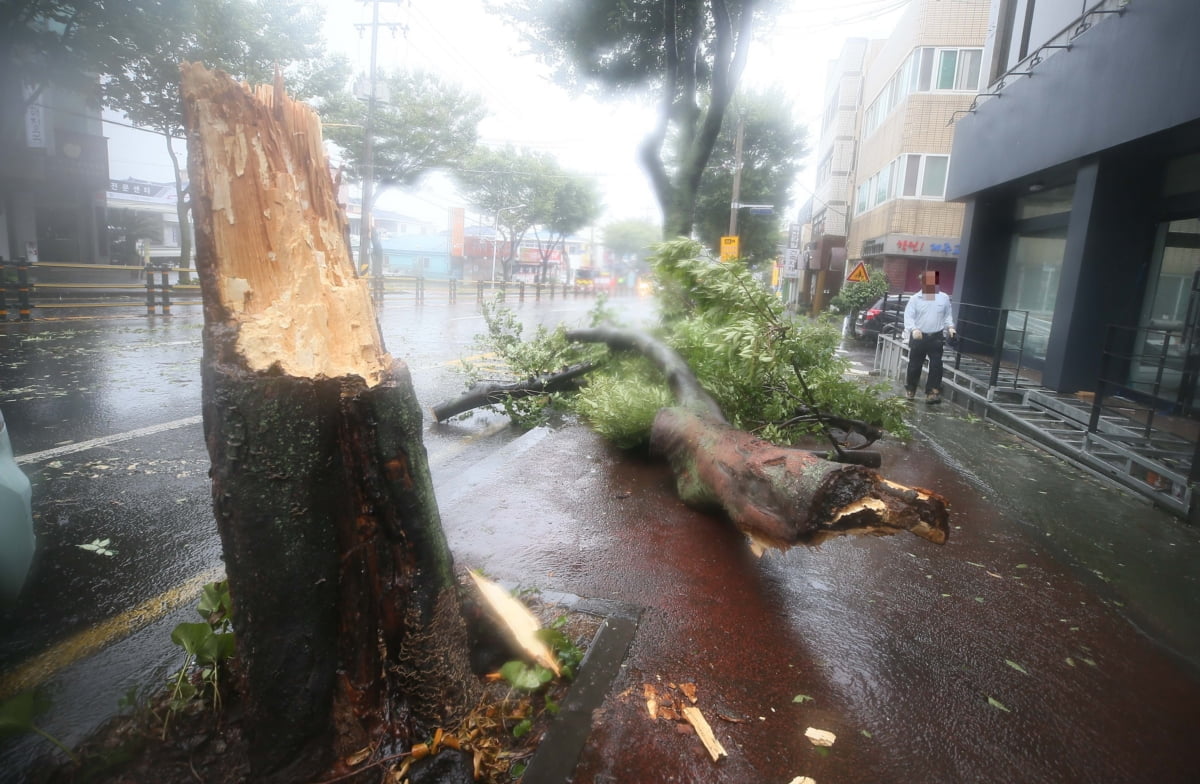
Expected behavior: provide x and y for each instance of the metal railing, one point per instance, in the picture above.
(1153, 371)
(998, 334)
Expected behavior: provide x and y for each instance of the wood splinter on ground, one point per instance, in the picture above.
(700, 724)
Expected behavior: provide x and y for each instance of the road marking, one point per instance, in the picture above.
(115, 438)
(34, 671)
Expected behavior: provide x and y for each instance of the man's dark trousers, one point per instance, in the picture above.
(927, 346)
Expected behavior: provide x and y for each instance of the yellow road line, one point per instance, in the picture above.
(35, 671)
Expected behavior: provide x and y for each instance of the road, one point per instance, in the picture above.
(104, 415)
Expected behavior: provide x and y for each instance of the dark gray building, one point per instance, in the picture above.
(1079, 166)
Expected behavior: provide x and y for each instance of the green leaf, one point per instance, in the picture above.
(194, 637)
(1015, 666)
(226, 645)
(802, 698)
(866, 734)
(17, 713)
(522, 729)
(995, 703)
(524, 676)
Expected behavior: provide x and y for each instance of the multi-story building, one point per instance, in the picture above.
(914, 84)
(53, 174)
(1079, 169)
(824, 257)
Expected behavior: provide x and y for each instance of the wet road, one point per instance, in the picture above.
(104, 416)
(1055, 638)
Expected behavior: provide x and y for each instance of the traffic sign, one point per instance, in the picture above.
(858, 274)
(729, 248)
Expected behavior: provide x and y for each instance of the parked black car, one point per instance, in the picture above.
(886, 316)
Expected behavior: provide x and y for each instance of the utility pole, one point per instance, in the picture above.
(365, 235)
(364, 224)
(737, 174)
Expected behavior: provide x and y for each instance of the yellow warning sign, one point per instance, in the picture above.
(729, 248)
(858, 274)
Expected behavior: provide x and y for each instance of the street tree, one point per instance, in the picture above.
(248, 39)
(58, 42)
(773, 145)
(572, 203)
(631, 241)
(513, 187)
(689, 56)
(421, 124)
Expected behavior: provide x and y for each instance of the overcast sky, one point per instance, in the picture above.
(458, 40)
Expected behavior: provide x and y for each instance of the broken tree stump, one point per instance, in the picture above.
(778, 496)
(345, 603)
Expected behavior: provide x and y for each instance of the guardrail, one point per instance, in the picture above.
(159, 287)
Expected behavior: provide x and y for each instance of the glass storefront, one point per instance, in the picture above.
(1168, 339)
(1035, 259)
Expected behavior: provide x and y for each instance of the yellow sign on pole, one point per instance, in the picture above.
(729, 248)
(858, 274)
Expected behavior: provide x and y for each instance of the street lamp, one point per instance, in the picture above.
(496, 238)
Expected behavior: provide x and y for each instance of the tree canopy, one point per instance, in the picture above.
(421, 123)
(690, 54)
(248, 39)
(772, 147)
(570, 203)
(524, 190)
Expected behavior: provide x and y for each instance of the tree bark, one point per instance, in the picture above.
(489, 394)
(778, 496)
(346, 607)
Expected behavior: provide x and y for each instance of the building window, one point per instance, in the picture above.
(933, 180)
(957, 70)
(911, 176)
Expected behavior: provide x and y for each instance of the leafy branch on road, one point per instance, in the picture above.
(770, 373)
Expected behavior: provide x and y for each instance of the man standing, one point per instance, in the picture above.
(925, 317)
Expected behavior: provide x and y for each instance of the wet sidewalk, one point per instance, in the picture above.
(1055, 638)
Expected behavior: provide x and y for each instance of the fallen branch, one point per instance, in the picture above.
(495, 393)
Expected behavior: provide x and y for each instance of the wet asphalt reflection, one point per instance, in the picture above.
(104, 416)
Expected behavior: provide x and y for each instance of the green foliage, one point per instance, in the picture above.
(765, 369)
(632, 240)
(686, 56)
(773, 146)
(426, 123)
(620, 401)
(855, 296)
(208, 644)
(548, 350)
(18, 714)
(533, 678)
(752, 357)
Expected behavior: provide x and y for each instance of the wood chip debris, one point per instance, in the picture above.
(522, 625)
(820, 737)
(700, 724)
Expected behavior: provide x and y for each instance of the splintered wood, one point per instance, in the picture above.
(661, 702)
(286, 277)
(696, 719)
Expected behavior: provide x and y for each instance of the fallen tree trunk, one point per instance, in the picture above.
(345, 603)
(778, 496)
